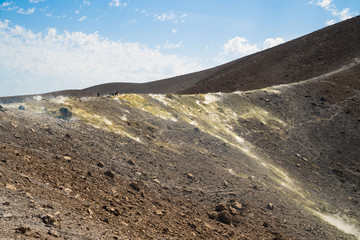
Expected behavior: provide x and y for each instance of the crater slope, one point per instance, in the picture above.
(276, 163)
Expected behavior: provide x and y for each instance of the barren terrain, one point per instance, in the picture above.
(274, 161)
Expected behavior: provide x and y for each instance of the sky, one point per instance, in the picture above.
(51, 45)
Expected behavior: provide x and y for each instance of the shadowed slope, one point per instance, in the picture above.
(303, 58)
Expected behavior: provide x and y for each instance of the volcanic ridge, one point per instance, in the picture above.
(264, 147)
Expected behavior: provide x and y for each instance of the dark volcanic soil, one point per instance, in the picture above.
(264, 164)
(281, 162)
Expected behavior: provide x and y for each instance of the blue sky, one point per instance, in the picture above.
(50, 45)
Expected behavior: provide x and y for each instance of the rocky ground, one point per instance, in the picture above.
(275, 163)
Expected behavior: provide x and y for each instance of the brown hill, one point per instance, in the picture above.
(306, 57)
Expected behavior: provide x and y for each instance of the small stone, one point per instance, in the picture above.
(213, 215)
(190, 176)
(237, 205)
(6, 204)
(54, 233)
(110, 174)
(221, 207)
(233, 211)
(265, 224)
(100, 164)
(135, 186)
(50, 220)
(224, 217)
(68, 135)
(67, 190)
(159, 212)
(23, 230)
(90, 211)
(10, 186)
(270, 206)
(131, 162)
(67, 158)
(298, 165)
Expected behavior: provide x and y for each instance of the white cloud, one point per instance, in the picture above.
(239, 46)
(82, 18)
(172, 45)
(5, 4)
(52, 60)
(36, 1)
(170, 17)
(4, 24)
(77, 11)
(86, 3)
(117, 3)
(324, 3)
(174, 31)
(164, 17)
(29, 11)
(272, 42)
(330, 6)
(330, 22)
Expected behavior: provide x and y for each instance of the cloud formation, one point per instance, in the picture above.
(52, 60)
(29, 11)
(330, 6)
(82, 18)
(117, 3)
(240, 47)
(170, 17)
(172, 45)
(36, 1)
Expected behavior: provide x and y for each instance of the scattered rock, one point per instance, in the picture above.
(298, 165)
(110, 174)
(54, 233)
(213, 215)
(50, 220)
(100, 164)
(135, 186)
(90, 211)
(159, 212)
(265, 224)
(6, 204)
(270, 206)
(22, 230)
(67, 158)
(224, 217)
(233, 211)
(131, 162)
(65, 114)
(190, 176)
(2, 109)
(68, 135)
(237, 205)
(10, 186)
(220, 207)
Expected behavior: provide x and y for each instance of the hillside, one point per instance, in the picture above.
(277, 160)
(306, 57)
